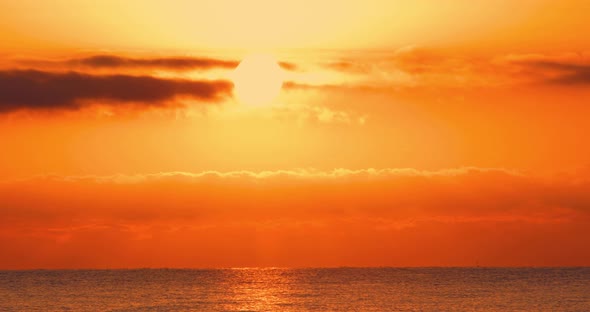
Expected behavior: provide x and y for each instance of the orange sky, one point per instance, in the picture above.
(406, 133)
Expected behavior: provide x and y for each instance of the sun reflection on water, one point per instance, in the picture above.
(260, 289)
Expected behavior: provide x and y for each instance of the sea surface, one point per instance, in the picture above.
(338, 289)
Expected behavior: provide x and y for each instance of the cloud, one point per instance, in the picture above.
(350, 66)
(566, 74)
(171, 63)
(121, 62)
(408, 67)
(289, 66)
(340, 217)
(306, 113)
(383, 193)
(420, 60)
(33, 89)
(433, 68)
(294, 85)
(566, 69)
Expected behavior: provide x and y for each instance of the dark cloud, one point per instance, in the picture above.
(33, 89)
(109, 61)
(173, 63)
(569, 69)
(289, 66)
(567, 73)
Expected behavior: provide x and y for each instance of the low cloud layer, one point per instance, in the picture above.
(562, 73)
(33, 89)
(342, 217)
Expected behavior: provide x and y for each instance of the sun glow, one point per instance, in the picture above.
(257, 80)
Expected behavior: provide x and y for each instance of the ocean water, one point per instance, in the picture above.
(339, 289)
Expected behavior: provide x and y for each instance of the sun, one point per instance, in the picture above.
(257, 80)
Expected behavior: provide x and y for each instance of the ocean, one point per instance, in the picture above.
(278, 289)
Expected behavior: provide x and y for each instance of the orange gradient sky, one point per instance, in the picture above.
(406, 133)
